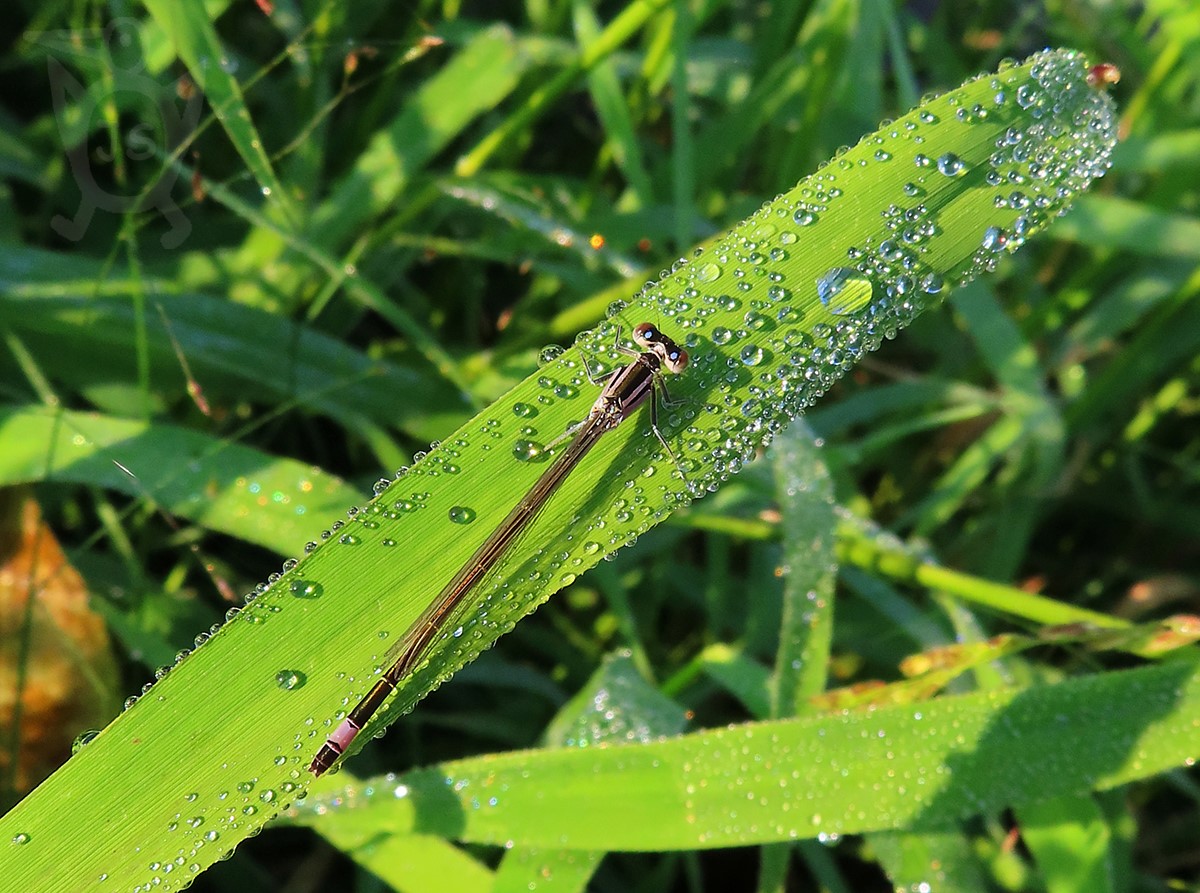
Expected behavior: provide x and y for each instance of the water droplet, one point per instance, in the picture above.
(349, 539)
(994, 239)
(306, 589)
(843, 290)
(526, 450)
(752, 355)
(951, 165)
(804, 217)
(460, 514)
(708, 273)
(524, 410)
(21, 838)
(549, 354)
(721, 335)
(290, 680)
(756, 321)
(83, 740)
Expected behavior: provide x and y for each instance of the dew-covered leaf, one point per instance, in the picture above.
(921, 767)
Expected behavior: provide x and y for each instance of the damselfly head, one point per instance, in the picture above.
(674, 357)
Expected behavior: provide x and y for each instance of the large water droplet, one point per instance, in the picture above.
(751, 355)
(994, 239)
(526, 450)
(951, 165)
(290, 680)
(549, 354)
(460, 514)
(843, 290)
(306, 589)
(83, 740)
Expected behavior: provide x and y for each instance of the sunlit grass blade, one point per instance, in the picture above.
(921, 768)
(232, 488)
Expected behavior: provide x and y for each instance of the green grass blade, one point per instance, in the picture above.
(893, 767)
(809, 524)
(615, 706)
(222, 342)
(605, 87)
(932, 861)
(199, 48)
(1069, 839)
(483, 73)
(619, 30)
(225, 486)
(1110, 222)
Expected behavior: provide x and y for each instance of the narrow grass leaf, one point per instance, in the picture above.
(199, 48)
(805, 494)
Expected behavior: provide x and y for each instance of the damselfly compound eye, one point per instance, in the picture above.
(645, 333)
(676, 359)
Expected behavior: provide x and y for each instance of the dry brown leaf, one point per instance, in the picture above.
(54, 649)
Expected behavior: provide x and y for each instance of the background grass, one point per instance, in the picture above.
(449, 165)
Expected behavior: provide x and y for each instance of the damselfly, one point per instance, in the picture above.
(626, 389)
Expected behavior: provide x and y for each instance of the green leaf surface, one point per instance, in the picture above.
(805, 491)
(921, 768)
(932, 862)
(234, 489)
(1069, 839)
(615, 706)
(483, 72)
(1111, 222)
